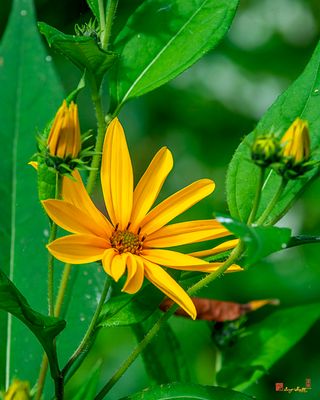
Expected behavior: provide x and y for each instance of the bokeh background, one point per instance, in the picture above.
(202, 116)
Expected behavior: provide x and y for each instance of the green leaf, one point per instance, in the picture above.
(88, 389)
(303, 239)
(264, 343)
(30, 94)
(94, 7)
(302, 100)
(125, 310)
(83, 51)
(175, 391)
(260, 241)
(163, 358)
(43, 327)
(161, 40)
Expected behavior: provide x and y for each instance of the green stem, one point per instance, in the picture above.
(106, 33)
(257, 196)
(97, 101)
(102, 18)
(157, 326)
(273, 202)
(62, 289)
(85, 342)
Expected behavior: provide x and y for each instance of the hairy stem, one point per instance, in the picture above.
(257, 198)
(110, 11)
(273, 202)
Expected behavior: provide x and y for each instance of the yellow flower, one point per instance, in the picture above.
(64, 137)
(18, 390)
(296, 142)
(133, 239)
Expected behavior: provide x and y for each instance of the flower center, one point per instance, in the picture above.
(125, 241)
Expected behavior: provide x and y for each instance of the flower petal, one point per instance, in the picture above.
(208, 268)
(71, 218)
(229, 244)
(150, 185)
(107, 260)
(117, 175)
(74, 192)
(186, 232)
(78, 249)
(170, 258)
(118, 266)
(175, 205)
(135, 274)
(163, 281)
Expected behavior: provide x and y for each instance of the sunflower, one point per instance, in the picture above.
(134, 237)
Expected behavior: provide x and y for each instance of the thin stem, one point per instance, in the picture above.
(273, 202)
(102, 18)
(62, 289)
(97, 101)
(90, 331)
(157, 326)
(110, 11)
(257, 196)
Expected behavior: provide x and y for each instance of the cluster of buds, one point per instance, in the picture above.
(61, 151)
(288, 156)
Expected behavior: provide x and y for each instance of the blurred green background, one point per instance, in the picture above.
(202, 116)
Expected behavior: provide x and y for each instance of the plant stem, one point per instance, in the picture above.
(102, 19)
(257, 196)
(97, 101)
(85, 342)
(62, 289)
(157, 326)
(273, 202)
(106, 33)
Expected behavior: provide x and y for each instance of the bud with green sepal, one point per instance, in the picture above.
(265, 150)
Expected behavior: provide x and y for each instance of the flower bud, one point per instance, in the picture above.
(296, 142)
(265, 150)
(64, 138)
(18, 390)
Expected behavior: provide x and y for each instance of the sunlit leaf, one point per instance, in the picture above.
(260, 241)
(302, 100)
(161, 40)
(83, 51)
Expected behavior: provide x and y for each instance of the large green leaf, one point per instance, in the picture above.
(264, 343)
(83, 51)
(88, 389)
(161, 40)
(300, 100)
(30, 94)
(163, 358)
(43, 327)
(260, 241)
(124, 310)
(175, 391)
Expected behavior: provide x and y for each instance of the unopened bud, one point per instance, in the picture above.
(265, 150)
(64, 138)
(296, 142)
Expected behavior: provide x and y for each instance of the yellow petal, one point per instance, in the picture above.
(118, 266)
(107, 260)
(74, 192)
(117, 176)
(163, 281)
(170, 258)
(229, 244)
(135, 274)
(78, 249)
(175, 205)
(186, 232)
(34, 164)
(150, 185)
(71, 218)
